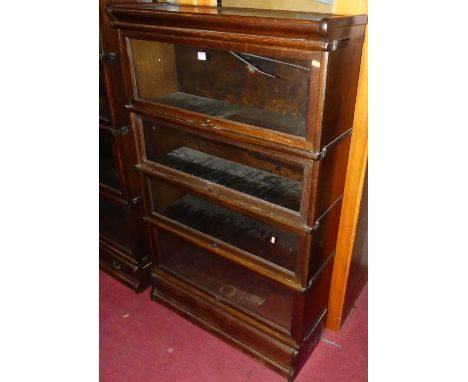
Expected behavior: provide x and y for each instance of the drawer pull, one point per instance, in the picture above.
(116, 264)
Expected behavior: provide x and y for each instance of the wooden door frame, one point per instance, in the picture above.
(357, 165)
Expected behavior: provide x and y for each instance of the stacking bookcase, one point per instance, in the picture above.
(242, 121)
(123, 249)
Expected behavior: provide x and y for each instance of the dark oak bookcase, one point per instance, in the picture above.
(241, 121)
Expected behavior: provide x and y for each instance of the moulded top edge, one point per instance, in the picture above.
(275, 22)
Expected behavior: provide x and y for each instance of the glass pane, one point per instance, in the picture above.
(228, 282)
(250, 235)
(103, 105)
(112, 223)
(267, 92)
(107, 162)
(240, 169)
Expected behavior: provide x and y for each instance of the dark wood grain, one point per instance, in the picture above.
(108, 172)
(250, 172)
(123, 247)
(259, 22)
(242, 173)
(173, 75)
(250, 115)
(272, 244)
(341, 89)
(227, 282)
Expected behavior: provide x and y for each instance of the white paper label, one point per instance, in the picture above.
(202, 56)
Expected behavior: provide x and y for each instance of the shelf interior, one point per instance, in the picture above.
(267, 92)
(226, 281)
(261, 184)
(262, 240)
(250, 115)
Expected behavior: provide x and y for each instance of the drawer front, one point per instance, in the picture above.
(254, 176)
(116, 263)
(271, 348)
(252, 93)
(230, 283)
(223, 227)
(108, 165)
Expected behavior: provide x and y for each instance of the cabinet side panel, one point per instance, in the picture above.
(323, 240)
(342, 81)
(357, 278)
(316, 298)
(329, 180)
(155, 68)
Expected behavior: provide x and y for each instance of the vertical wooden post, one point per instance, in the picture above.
(357, 165)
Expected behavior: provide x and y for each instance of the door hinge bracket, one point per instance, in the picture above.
(111, 56)
(123, 130)
(321, 154)
(317, 222)
(333, 45)
(133, 201)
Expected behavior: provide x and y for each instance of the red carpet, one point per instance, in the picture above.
(143, 341)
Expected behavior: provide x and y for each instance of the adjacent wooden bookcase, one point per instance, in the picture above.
(122, 250)
(242, 121)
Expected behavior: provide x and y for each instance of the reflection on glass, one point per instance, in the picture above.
(226, 281)
(240, 169)
(266, 92)
(261, 240)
